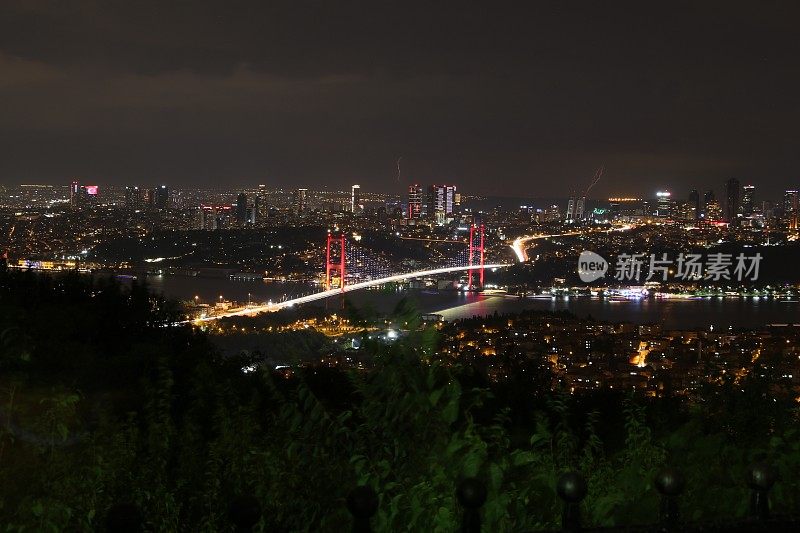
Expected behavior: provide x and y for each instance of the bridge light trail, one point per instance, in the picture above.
(270, 307)
(518, 243)
(522, 254)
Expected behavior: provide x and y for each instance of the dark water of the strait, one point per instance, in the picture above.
(671, 313)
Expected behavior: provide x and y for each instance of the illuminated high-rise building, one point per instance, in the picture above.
(300, 201)
(241, 208)
(148, 198)
(580, 208)
(74, 195)
(791, 209)
(714, 211)
(441, 202)
(414, 210)
(708, 197)
(694, 199)
(732, 199)
(161, 197)
(260, 204)
(571, 209)
(134, 199)
(748, 199)
(663, 203)
(686, 212)
(355, 199)
(627, 208)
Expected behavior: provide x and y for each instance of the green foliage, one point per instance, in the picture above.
(179, 431)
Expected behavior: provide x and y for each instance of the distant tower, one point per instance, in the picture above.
(748, 200)
(74, 195)
(441, 202)
(241, 208)
(300, 201)
(791, 208)
(148, 198)
(261, 203)
(663, 203)
(732, 201)
(571, 209)
(133, 198)
(414, 202)
(355, 198)
(714, 211)
(694, 201)
(708, 197)
(580, 208)
(162, 197)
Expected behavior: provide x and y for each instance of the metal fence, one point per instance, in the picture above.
(362, 502)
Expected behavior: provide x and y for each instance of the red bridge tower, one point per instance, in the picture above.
(475, 254)
(337, 267)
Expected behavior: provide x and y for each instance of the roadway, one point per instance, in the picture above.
(521, 251)
(271, 307)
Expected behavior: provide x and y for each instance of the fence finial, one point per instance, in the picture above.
(760, 478)
(669, 482)
(572, 490)
(471, 494)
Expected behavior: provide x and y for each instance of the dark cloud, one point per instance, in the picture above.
(526, 97)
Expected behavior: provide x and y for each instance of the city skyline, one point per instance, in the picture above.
(531, 100)
(399, 266)
(652, 193)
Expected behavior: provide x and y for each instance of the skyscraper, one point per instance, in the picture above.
(355, 199)
(260, 204)
(714, 211)
(791, 209)
(571, 209)
(133, 198)
(414, 210)
(580, 208)
(694, 200)
(148, 199)
(663, 203)
(441, 202)
(748, 202)
(708, 197)
(161, 197)
(241, 208)
(74, 195)
(300, 201)
(732, 200)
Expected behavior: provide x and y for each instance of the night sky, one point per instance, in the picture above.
(499, 98)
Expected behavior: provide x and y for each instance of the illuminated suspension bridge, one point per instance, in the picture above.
(350, 267)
